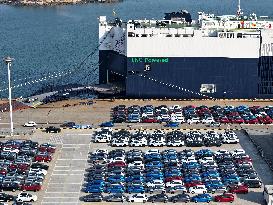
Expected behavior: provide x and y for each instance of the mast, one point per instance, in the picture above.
(239, 11)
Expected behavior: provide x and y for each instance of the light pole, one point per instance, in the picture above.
(8, 61)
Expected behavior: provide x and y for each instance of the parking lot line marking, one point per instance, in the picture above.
(63, 183)
(70, 159)
(60, 197)
(70, 170)
(62, 192)
(58, 174)
(62, 166)
(59, 202)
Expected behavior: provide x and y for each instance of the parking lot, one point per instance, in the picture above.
(65, 178)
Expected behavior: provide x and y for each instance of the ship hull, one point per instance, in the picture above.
(182, 77)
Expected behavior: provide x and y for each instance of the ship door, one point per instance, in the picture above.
(239, 25)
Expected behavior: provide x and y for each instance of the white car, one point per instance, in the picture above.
(176, 143)
(117, 159)
(206, 159)
(174, 183)
(141, 198)
(208, 120)
(120, 143)
(138, 164)
(105, 151)
(9, 149)
(138, 143)
(38, 171)
(152, 151)
(26, 197)
(102, 138)
(199, 189)
(159, 143)
(30, 124)
(193, 120)
(154, 183)
(221, 151)
(238, 152)
(231, 140)
(180, 118)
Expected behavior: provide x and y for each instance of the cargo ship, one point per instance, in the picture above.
(227, 56)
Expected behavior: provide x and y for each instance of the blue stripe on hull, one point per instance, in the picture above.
(234, 78)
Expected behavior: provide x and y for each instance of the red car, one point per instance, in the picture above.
(117, 164)
(42, 158)
(3, 171)
(31, 187)
(252, 121)
(150, 120)
(223, 120)
(239, 189)
(47, 148)
(192, 184)
(23, 167)
(224, 198)
(236, 120)
(169, 179)
(265, 120)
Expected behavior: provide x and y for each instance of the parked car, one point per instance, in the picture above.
(142, 198)
(52, 129)
(30, 124)
(224, 198)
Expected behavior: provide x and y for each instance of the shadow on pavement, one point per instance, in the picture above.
(253, 197)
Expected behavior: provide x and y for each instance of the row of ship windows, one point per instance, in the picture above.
(131, 34)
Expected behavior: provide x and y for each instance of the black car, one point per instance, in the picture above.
(6, 197)
(253, 183)
(115, 198)
(93, 198)
(158, 198)
(9, 187)
(40, 165)
(52, 129)
(68, 124)
(180, 198)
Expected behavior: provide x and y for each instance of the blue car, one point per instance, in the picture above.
(211, 173)
(96, 183)
(94, 189)
(116, 178)
(153, 157)
(172, 124)
(107, 124)
(202, 198)
(152, 178)
(115, 189)
(172, 173)
(156, 164)
(134, 178)
(135, 189)
(192, 178)
(154, 174)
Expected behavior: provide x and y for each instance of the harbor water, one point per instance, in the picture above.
(50, 43)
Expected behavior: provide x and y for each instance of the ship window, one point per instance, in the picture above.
(169, 35)
(177, 35)
(131, 34)
(208, 88)
(144, 35)
(239, 35)
(137, 35)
